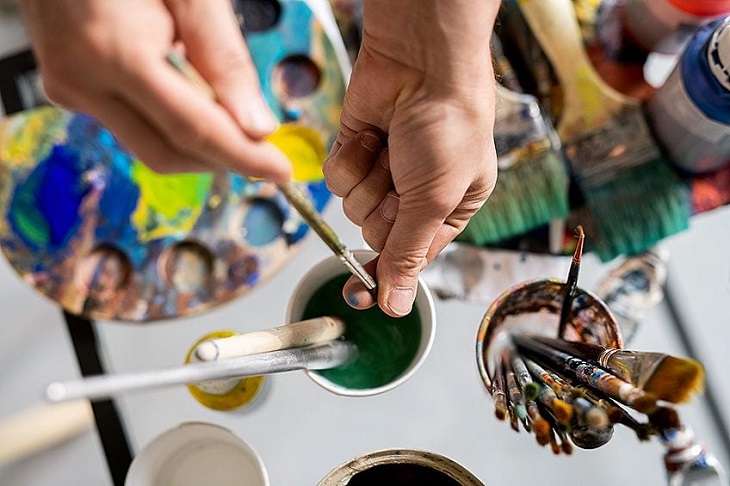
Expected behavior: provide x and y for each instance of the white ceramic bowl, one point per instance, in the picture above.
(195, 453)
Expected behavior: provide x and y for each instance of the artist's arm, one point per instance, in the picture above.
(107, 59)
(424, 79)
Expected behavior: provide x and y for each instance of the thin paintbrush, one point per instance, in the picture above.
(540, 373)
(289, 189)
(499, 391)
(588, 374)
(572, 283)
(632, 194)
(561, 410)
(669, 378)
(540, 426)
(517, 400)
(530, 389)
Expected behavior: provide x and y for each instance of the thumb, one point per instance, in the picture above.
(405, 255)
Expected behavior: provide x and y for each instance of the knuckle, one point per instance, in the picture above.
(406, 264)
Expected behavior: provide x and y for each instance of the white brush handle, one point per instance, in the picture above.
(104, 386)
(295, 335)
(41, 427)
(588, 100)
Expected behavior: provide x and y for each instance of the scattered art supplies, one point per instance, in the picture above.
(633, 197)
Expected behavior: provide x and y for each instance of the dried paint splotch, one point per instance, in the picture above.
(94, 229)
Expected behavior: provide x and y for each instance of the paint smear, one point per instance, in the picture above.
(30, 138)
(168, 204)
(44, 211)
(386, 345)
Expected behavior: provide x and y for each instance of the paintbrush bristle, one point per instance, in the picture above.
(676, 380)
(541, 427)
(634, 198)
(563, 411)
(526, 196)
(531, 391)
(665, 418)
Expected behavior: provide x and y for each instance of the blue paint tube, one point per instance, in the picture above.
(690, 113)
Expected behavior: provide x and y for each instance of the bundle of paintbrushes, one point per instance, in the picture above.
(574, 393)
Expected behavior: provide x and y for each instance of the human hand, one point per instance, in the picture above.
(107, 59)
(423, 79)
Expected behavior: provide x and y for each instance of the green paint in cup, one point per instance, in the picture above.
(387, 346)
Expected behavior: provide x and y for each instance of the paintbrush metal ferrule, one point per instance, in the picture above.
(309, 213)
(622, 142)
(668, 377)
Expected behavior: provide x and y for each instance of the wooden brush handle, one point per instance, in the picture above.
(588, 101)
(319, 330)
(41, 427)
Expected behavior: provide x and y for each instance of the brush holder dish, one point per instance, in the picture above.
(396, 348)
(534, 307)
(400, 466)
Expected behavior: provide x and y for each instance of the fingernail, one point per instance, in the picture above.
(263, 120)
(389, 208)
(370, 141)
(400, 300)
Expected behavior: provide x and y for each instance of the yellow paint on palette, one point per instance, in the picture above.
(29, 138)
(304, 148)
(168, 204)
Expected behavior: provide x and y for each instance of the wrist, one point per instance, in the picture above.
(441, 45)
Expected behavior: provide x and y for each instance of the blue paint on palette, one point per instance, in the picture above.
(270, 47)
(44, 211)
(262, 223)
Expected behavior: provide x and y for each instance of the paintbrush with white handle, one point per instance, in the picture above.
(320, 357)
(311, 332)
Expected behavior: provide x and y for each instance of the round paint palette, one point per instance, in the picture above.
(94, 229)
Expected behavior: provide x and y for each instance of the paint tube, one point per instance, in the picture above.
(630, 29)
(690, 113)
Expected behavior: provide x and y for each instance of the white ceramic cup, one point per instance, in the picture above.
(331, 267)
(195, 453)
